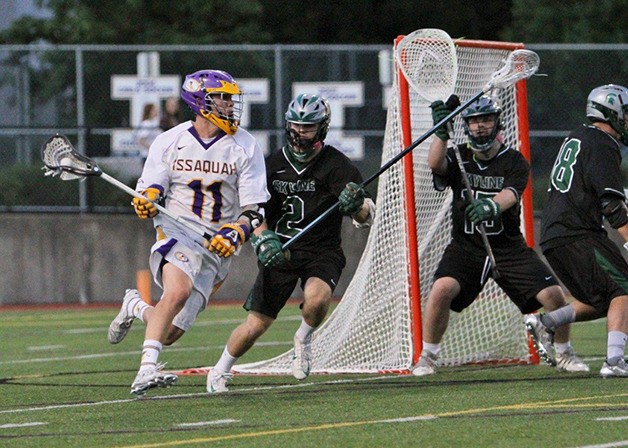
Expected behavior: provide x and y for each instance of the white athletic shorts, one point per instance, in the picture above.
(207, 270)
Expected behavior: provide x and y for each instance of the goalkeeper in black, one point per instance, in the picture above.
(498, 176)
(305, 178)
(586, 186)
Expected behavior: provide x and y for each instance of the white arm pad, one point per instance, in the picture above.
(370, 218)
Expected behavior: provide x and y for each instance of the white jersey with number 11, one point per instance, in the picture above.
(206, 182)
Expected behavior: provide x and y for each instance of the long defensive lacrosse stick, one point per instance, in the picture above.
(61, 159)
(436, 52)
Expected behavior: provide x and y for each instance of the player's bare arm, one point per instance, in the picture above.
(505, 199)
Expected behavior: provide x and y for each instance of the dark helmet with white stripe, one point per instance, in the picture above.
(484, 105)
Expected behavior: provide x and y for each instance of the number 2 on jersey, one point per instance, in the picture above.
(291, 214)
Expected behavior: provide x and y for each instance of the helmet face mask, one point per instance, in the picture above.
(304, 111)
(214, 95)
(609, 104)
(481, 111)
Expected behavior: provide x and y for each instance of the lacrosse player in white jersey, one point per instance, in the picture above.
(212, 173)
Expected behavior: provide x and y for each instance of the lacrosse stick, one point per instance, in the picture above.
(61, 159)
(438, 53)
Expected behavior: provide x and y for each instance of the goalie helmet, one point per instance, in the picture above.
(609, 104)
(484, 105)
(200, 91)
(307, 109)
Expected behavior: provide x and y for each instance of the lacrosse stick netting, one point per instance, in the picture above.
(520, 64)
(61, 159)
(427, 58)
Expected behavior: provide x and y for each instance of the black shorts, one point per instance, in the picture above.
(592, 268)
(273, 287)
(523, 275)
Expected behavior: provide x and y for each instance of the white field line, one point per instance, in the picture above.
(203, 323)
(39, 348)
(21, 425)
(606, 445)
(612, 419)
(134, 353)
(194, 395)
(210, 423)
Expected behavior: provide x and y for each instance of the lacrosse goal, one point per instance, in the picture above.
(377, 325)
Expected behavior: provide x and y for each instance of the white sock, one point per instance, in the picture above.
(615, 347)
(138, 307)
(432, 348)
(150, 354)
(304, 333)
(562, 347)
(561, 316)
(226, 361)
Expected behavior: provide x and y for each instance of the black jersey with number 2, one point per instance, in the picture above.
(300, 194)
(507, 170)
(587, 167)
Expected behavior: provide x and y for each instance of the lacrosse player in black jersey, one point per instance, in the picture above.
(498, 175)
(586, 185)
(305, 178)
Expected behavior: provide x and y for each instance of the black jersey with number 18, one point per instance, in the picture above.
(586, 168)
(301, 193)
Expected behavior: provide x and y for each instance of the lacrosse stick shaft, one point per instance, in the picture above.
(480, 226)
(161, 209)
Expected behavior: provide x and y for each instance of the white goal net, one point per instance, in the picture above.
(376, 327)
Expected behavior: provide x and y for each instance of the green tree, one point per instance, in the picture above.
(254, 21)
(567, 21)
(141, 22)
(380, 22)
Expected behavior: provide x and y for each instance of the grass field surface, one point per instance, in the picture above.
(63, 385)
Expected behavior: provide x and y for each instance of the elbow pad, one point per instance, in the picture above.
(254, 217)
(615, 211)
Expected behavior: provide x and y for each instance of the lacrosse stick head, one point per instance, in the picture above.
(427, 59)
(520, 64)
(61, 159)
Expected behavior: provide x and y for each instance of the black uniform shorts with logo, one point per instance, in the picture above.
(523, 275)
(273, 287)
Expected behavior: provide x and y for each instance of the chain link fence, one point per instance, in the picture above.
(96, 94)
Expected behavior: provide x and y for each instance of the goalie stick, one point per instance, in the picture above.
(61, 159)
(436, 52)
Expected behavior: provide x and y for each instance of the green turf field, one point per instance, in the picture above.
(63, 385)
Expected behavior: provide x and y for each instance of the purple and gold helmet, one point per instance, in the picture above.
(199, 91)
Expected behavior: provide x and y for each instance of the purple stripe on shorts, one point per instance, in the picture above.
(165, 248)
